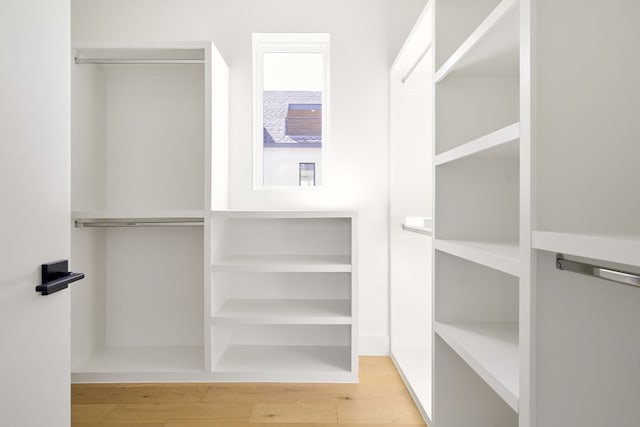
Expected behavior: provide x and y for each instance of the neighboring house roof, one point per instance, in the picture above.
(275, 108)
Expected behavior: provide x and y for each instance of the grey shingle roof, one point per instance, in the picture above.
(275, 106)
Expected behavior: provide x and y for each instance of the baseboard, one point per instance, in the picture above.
(374, 345)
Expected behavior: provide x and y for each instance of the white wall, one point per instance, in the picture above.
(365, 35)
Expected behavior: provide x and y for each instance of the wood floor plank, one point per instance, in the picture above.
(296, 412)
(211, 412)
(395, 410)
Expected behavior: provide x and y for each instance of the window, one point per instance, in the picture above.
(291, 75)
(307, 174)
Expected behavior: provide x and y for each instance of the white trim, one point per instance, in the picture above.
(293, 43)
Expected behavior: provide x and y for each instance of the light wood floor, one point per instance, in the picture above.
(380, 399)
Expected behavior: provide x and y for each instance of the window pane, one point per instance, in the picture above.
(292, 118)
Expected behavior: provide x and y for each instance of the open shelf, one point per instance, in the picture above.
(494, 144)
(261, 361)
(615, 247)
(492, 49)
(413, 365)
(136, 360)
(285, 311)
(500, 255)
(284, 263)
(491, 350)
(125, 214)
(420, 225)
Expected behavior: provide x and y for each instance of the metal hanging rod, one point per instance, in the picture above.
(139, 222)
(415, 64)
(618, 276)
(137, 61)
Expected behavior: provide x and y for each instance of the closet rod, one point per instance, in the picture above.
(137, 61)
(139, 222)
(415, 64)
(617, 276)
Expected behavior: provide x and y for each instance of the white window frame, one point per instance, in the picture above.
(287, 43)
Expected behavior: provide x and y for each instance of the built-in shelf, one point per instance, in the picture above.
(139, 360)
(621, 248)
(285, 311)
(255, 360)
(414, 368)
(491, 350)
(497, 254)
(420, 225)
(501, 143)
(285, 263)
(492, 49)
(126, 214)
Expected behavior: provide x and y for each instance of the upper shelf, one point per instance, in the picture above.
(186, 52)
(613, 247)
(492, 49)
(495, 143)
(497, 254)
(491, 350)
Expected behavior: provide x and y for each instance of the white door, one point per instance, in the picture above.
(34, 211)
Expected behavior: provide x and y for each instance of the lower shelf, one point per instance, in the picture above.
(414, 365)
(140, 363)
(491, 350)
(283, 363)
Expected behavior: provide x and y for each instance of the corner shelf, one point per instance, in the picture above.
(496, 143)
(491, 350)
(492, 48)
(622, 248)
(285, 311)
(500, 255)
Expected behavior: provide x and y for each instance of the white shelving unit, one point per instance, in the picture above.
(410, 225)
(148, 138)
(283, 296)
(478, 220)
(533, 158)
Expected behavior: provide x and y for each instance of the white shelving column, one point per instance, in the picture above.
(478, 268)
(284, 296)
(148, 125)
(410, 197)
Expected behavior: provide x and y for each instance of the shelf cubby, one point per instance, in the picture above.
(462, 397)
(478, 195)
(282, 352)
(491, 350)
(491, 49)
(455, 22)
